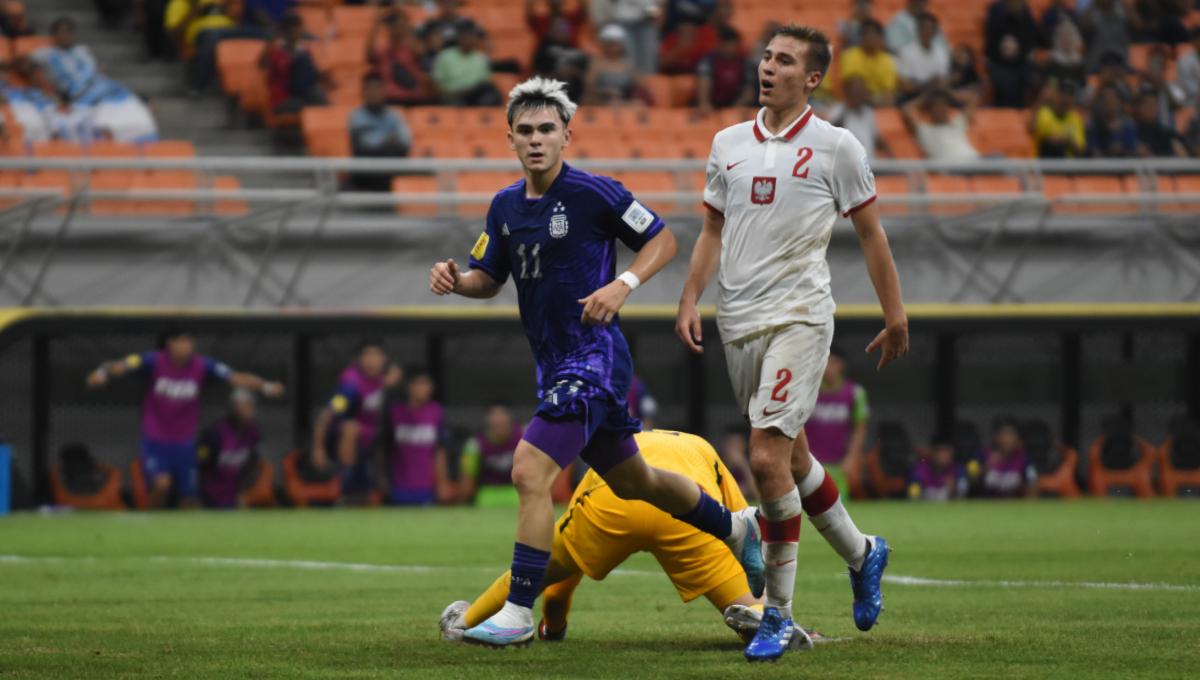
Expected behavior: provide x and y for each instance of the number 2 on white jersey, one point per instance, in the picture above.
(805, 153)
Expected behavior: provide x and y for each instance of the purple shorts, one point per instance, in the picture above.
(576, 420)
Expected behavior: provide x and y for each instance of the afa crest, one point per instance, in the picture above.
(558, 222)
(762, 190)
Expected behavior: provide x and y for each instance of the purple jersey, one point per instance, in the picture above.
(1006, 476)
(836, 413)
(559, 249)
(171, 410)
(932, 484)
(359, 396)
(415, 435)
(491, 462)
(225, 451)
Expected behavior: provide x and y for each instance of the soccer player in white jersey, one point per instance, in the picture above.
(775, 187)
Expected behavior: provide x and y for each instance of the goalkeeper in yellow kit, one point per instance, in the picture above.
(599, 531)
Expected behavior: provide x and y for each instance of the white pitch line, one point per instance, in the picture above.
(1094, 585)
(363, 567)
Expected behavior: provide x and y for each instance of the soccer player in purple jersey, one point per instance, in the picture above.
(171, 410)
(554, 232)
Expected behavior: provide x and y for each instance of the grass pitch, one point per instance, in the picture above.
(1014, 590)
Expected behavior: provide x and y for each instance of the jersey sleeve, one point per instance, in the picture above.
(490, 253)
(217, 369)
(714, 182)
(346, 401)
(627, 219)
(853, 183)
(469, 461)
(142, 363)
(861, 410)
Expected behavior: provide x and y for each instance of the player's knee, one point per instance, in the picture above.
(768, 459)
(532, 476)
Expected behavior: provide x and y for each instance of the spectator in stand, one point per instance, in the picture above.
(205, 32)
(376, 131)
(871, 62)
(735, 454)
(462, 72)
(413, 435)
(725, 77)
(683, 48)
(902, 29)
(1006, 469)
(13, 22)
(1154, 138)
(1159, 21)
(1112, 75)
(679, 11)
(441, 30)
(1010, 35)
(1111, 133)
(398, 61)
(541, 24)
(572, 68)
(1058, 11)
(964, 74)
(857, 115)
(1105, 28)
(639, 19)
(186, 19)
(925, 63)
(70, 123)
(936, 477)
(612, 79)
(293, 80)
(228, 454)
(1067, 61)
(837, 428)
(1169, 96)
(1187, 71)
(942, 132)
(485, 467)
(552, 46)
(27, 104)
(850, 30)
(1058, 129)
(70, 69)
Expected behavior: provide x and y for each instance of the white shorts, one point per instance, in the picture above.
(776, 375)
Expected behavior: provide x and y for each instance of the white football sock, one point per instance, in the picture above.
(781, 520)
(832, 520)
(513, 616)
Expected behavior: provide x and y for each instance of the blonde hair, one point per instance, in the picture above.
(539, 93)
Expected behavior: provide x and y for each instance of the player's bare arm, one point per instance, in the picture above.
(445, 278)
(893, 339)
(253, 382)
(600, 307)
(706, 256)
(100, 376)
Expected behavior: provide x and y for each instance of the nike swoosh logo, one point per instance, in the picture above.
(772, 413)
(784, 564)
(734, 165)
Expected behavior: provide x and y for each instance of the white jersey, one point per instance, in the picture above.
(780, 196)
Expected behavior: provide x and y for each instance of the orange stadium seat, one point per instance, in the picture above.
(166, 180)
(261, 493)
(237, 64)
(995, 184)
(107, 497)
(1055, 463)
(517, 45)
(415, 184)
(1001, 131)
(441, 148)
(1120, 459)
(650, 181)
(1179, 458)
(112, 180)
(487, 182)
(659, 89)
(305, 493)
(169, 148)
(683, 90)
(505, 82)
(1180, 184)
(1103, 184)
(228, 208)
(137, 486)
(353, 21)
(889, 461)
(892, 185)
(317, 20)
(109, 149)
(56, 148)
(954, 185)
(420, 117)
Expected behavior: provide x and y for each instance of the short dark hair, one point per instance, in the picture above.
(366, 343)
(498, 403)
(727, 33)
(170, 333)
(927, 16)
(61, 22)
(871, 25)
(819, 54)
(1004, 420)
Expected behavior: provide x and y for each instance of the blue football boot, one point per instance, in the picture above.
(773, 638)
(749, 553)
(489, 634)
(868, 600)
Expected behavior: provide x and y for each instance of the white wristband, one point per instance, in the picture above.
(630, 280)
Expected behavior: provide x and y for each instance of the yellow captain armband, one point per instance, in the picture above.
(914, 491)
(481, 245)
(133, 361)
(339, 404)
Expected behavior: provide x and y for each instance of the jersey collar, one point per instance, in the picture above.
(760, 126)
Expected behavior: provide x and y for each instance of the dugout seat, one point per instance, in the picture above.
(137, 486)
(261, 492)
(1179, 458)
(1055, 463)
(306, 486)
(889, 462)
(1118, 458)
(81, 482)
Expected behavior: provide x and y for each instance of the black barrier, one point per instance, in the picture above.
(62, 344)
